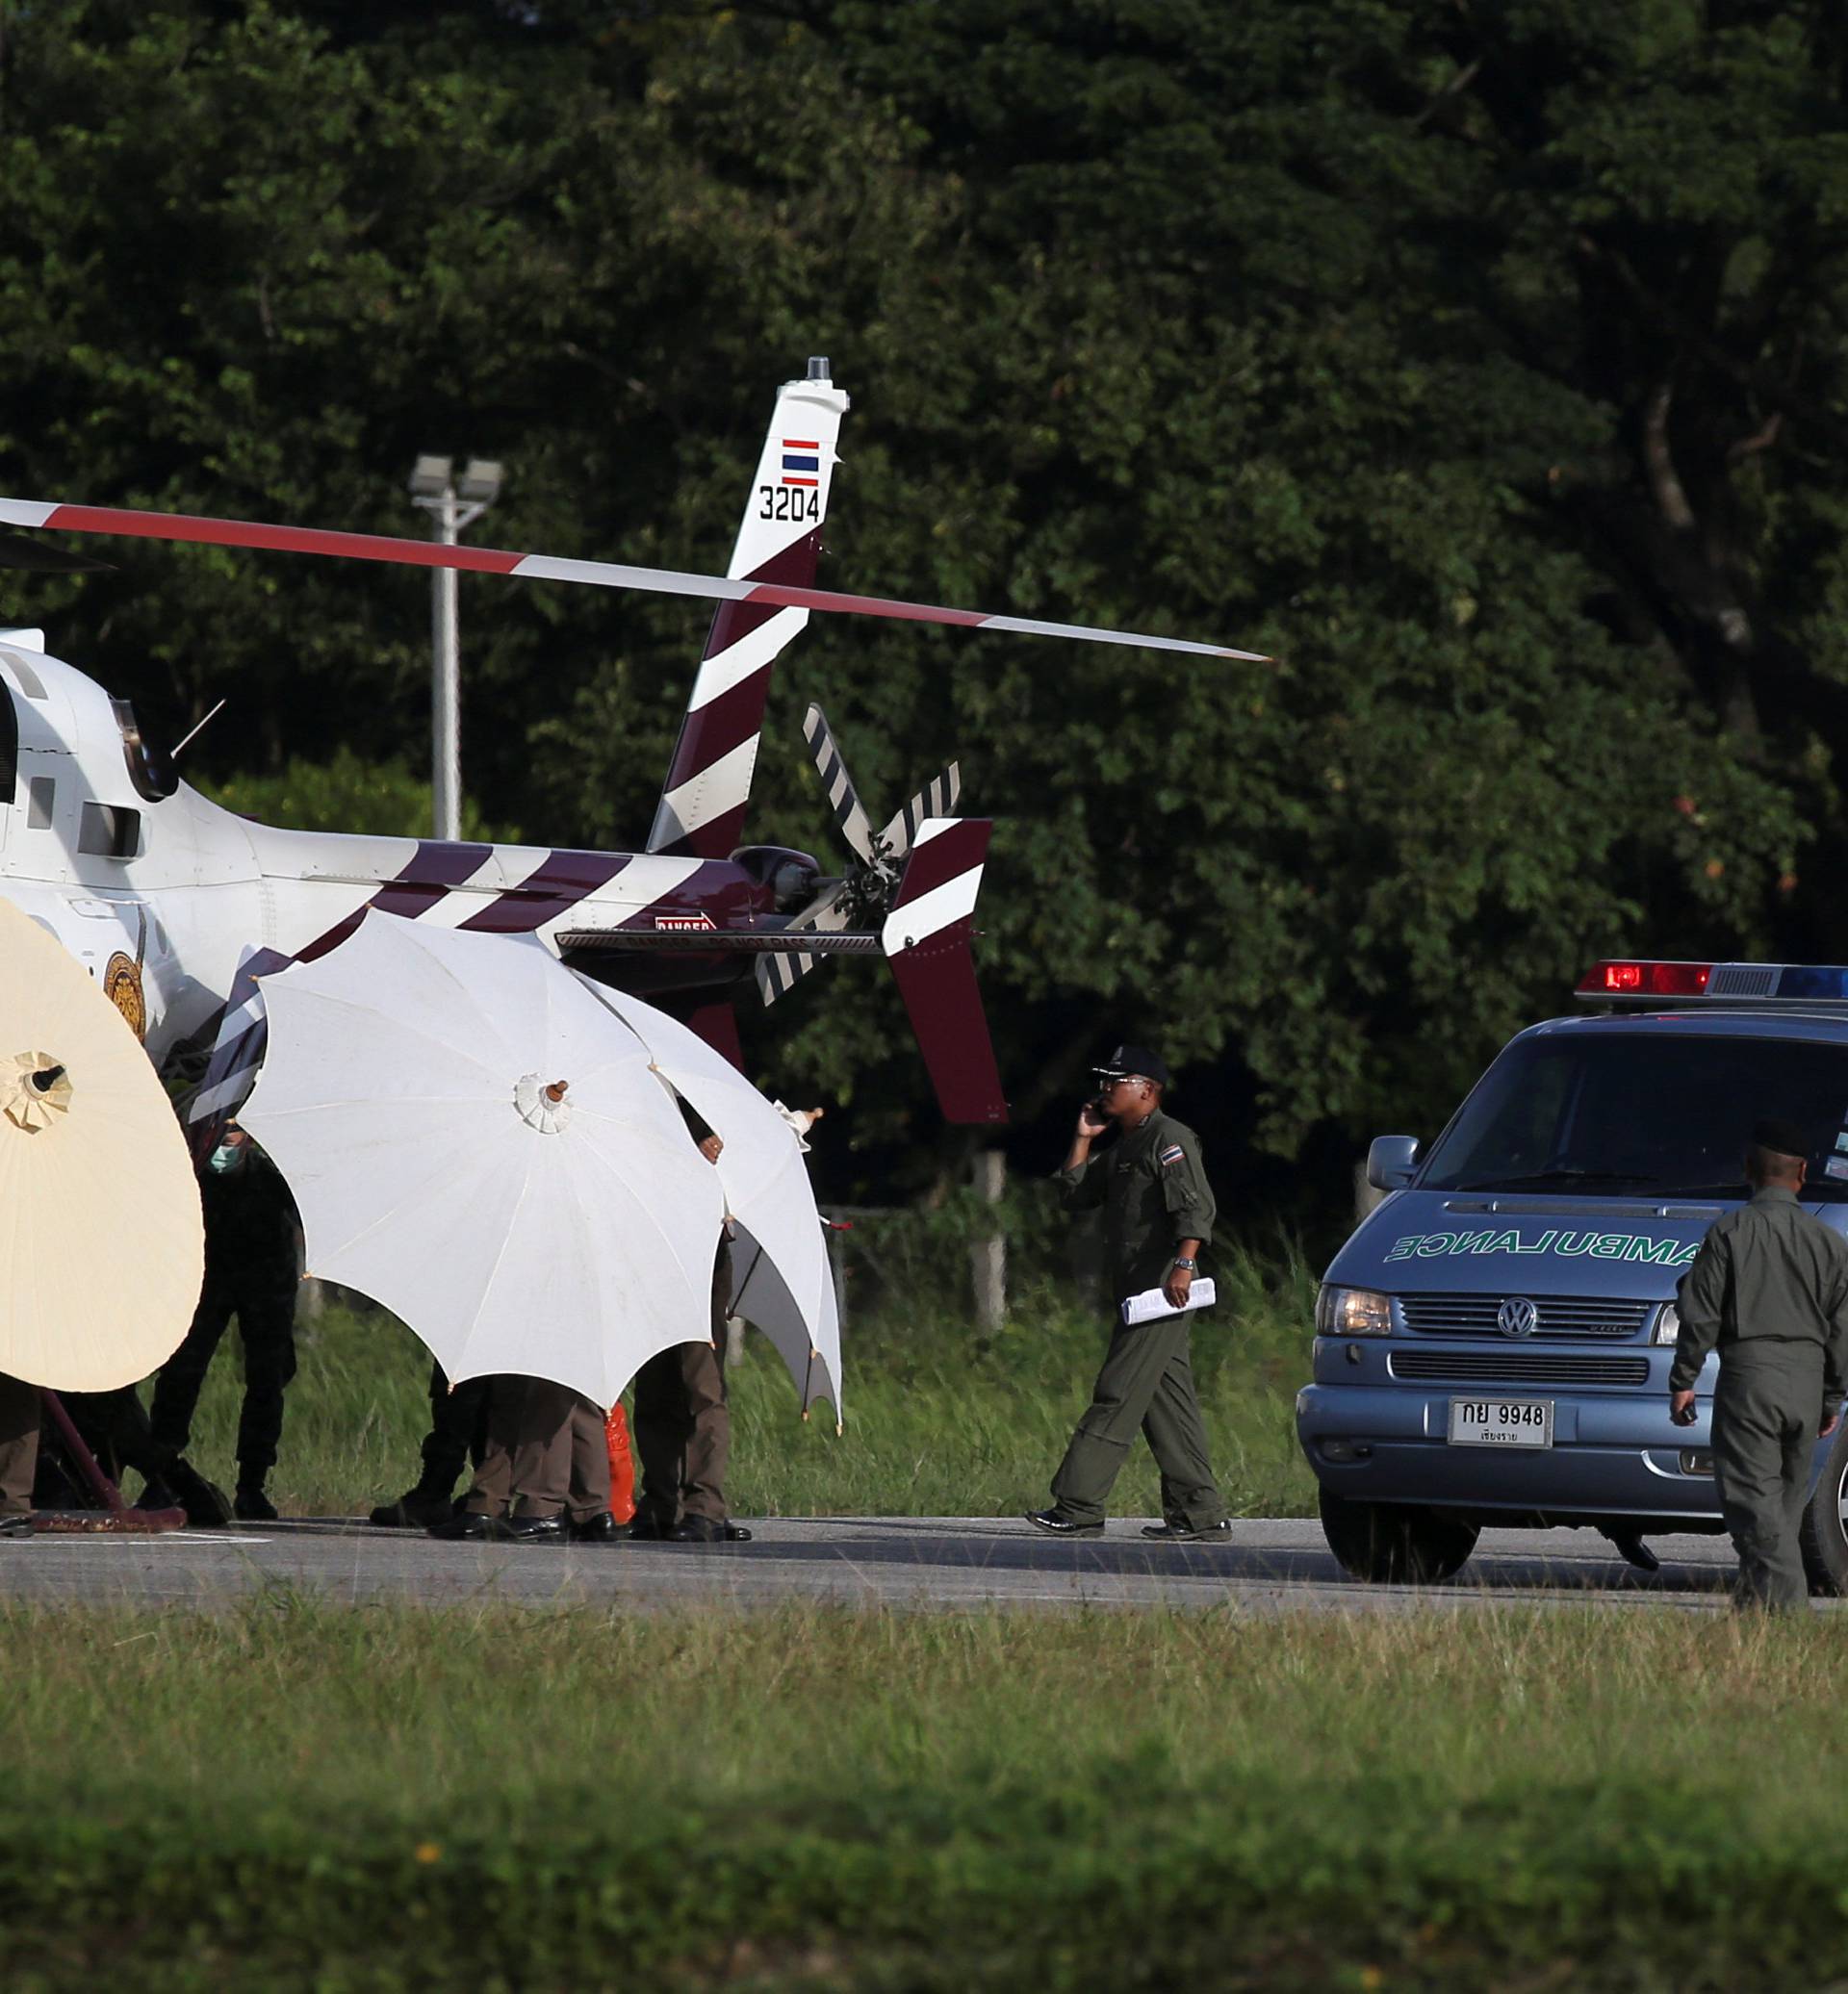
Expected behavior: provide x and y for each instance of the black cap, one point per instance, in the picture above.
(1781, 1137)
(1133, 1058)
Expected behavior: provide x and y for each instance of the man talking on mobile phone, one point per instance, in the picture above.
(1770, 1291)
(1158, 1213)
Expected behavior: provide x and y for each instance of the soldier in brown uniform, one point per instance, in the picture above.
(682, 1421)
(544, 1477)
(18, 1455)
(1158, 1213)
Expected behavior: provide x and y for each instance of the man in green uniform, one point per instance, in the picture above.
(1769, 1288)
(1158, 1213)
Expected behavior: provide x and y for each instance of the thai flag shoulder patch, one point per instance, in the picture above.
(1173, 1154)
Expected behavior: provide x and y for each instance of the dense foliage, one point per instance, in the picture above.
(1485, 364)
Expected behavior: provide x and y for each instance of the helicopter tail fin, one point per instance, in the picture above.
(926, 939)
(700, 814)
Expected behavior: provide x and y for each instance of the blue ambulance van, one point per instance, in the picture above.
(1493, 1343)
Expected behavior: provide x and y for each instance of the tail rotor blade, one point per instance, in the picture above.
(937, 799)
(850, 817)
(826, 914)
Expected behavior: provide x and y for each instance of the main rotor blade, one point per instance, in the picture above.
(35, 558)
(481, 560)
(844, 799)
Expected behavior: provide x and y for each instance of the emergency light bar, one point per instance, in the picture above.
(1637, 981)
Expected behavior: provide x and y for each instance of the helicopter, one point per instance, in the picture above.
(180, 907)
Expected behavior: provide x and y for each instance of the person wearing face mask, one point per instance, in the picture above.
(252, 1271)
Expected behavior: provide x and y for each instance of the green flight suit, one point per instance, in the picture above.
(1769, 1290)
(1154, 1194)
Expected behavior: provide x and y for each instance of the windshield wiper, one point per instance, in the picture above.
(1563, 1176)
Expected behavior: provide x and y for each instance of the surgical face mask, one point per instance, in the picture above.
(227, 1156)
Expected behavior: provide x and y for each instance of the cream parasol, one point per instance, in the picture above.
(102, 1247)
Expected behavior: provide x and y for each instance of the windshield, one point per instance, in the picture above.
(1636, 1112)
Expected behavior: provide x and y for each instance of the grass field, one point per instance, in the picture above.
(941, 1421)
(301, 1796)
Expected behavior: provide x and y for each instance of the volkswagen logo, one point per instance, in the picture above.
(1517, 1317)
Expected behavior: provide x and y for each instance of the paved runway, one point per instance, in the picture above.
(912, 1562)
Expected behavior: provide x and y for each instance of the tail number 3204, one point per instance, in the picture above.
(789, 502)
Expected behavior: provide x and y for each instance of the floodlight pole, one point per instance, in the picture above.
(448, 515)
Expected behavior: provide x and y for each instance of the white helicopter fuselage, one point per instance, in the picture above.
(163, 896)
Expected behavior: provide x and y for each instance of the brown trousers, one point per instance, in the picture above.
(18, 1445)
(547, 1454)
(682, 1424)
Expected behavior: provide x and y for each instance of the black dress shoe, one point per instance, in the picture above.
(253, 1506)
(1057, 1523)
(417, 1508)
(465, 1524)
(15, 1526)
(644, 1528)
(205, 1503)
(530, 1530)
(703, 1530)
(1185, 1533)
(598, 1529)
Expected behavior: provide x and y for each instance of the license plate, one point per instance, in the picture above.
(1500, 1422)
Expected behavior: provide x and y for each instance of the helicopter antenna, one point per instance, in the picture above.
(197, 731)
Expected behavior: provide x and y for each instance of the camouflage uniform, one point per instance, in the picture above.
(1153, 1191)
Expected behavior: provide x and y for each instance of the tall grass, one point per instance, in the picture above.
(297, 1795)
(942, 1419)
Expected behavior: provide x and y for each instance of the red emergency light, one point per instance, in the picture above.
(1646, 980)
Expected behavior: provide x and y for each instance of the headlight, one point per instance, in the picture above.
(1353, 1312)
(1668, 1324)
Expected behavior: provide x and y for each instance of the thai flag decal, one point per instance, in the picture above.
(801, 460)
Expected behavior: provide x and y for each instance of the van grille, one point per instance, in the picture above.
(1517, 1367)
(1560, 1314)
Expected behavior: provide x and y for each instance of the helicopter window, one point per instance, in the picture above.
(41, 797)
(24, 677)
(9, 747)
(149, 767)
(110, 831)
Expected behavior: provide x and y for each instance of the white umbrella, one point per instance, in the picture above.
(759, 1295)
(102, 1247)
(766, 1191)
(410, 1095)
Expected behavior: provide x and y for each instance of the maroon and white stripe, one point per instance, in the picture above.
(427, 880)
(708, 783)
(928, 938)
(479, 560)
(940, 882)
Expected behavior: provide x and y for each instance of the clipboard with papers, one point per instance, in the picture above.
(1153, 1304)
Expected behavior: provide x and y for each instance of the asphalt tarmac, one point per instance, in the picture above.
(1271, 1566)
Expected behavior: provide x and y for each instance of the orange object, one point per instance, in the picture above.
(622, 1465)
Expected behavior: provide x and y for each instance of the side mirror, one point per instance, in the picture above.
(1392, 1161)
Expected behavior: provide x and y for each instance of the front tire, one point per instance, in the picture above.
(1824, 1531)
(1398, 1544)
